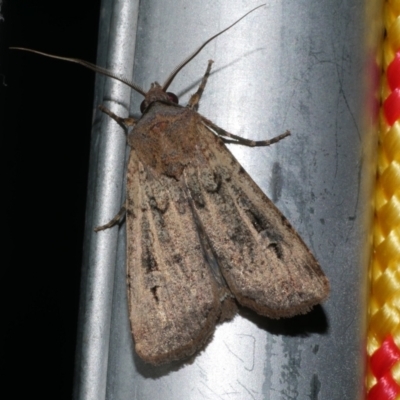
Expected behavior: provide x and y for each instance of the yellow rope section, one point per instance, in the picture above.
(383, 341)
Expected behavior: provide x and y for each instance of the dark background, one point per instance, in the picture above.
(46, 112)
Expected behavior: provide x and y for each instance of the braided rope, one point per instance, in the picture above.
(383, 342)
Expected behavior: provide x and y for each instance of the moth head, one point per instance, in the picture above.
(157, 93)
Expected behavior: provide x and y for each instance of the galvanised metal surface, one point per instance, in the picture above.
(298, 65)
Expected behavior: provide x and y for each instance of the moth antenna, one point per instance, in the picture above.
(91, 66)
(194, 54)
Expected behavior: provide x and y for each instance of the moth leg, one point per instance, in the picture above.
(195, 98)
(124, 122)
(115, 221)
(239, 140)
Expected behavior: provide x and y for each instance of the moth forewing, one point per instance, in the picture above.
(173, 299)
(266, 264)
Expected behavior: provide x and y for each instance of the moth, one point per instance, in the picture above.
(202, 237)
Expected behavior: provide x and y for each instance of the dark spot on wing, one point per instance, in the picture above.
(148, 261)
(277, 249)
(154, 293)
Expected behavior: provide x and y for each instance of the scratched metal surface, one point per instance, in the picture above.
(299, 65)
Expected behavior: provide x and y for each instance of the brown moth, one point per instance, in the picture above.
(201, 235)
